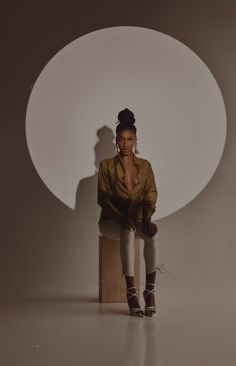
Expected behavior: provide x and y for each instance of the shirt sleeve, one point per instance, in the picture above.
(150, 194)
(104, 193)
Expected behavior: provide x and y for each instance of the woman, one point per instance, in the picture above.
(127, 193)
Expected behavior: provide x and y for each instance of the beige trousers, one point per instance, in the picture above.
(112, 229)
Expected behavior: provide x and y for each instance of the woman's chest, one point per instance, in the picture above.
(127, 180)
(131, 177)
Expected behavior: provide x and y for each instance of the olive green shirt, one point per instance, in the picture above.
(116, 200)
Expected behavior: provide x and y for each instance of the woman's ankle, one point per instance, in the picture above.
(129, 281)
(150, 279)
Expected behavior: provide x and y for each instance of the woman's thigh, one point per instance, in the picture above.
(110, 228)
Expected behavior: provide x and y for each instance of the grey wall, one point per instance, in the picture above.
(45, 246)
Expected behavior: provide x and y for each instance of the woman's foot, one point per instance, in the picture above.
(149, 298)
(134, 307)
(132, 298)
(149, 294)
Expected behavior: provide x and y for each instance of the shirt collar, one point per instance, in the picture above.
(120, 170)
(136, 160)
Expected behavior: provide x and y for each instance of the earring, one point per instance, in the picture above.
(117, 147)
(135, 148)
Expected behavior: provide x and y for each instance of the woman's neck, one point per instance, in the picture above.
(126, 159)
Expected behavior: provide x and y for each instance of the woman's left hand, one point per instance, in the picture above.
(149, 228)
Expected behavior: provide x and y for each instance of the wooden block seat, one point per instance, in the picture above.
(112, 284)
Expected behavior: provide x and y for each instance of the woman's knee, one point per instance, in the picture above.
(127, 232)
(152, 240)
(110, 229)
(115, 230)
(154, 237)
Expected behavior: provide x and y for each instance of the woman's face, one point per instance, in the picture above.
(126, 140)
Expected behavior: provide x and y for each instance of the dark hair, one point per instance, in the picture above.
(126, 121)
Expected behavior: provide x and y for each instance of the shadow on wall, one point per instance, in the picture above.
(53, 251)
(87, 211)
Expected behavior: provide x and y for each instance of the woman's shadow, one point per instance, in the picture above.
(87, 213)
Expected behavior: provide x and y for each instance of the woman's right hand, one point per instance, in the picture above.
(128, 223)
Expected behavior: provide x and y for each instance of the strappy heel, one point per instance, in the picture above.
(149, 310)
(136, 311)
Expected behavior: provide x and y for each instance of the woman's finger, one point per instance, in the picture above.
(149, 231)
(154, 230)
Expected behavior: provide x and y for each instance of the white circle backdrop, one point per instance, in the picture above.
(179, 110)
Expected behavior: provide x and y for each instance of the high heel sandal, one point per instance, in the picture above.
(149, 310)
(136, 311)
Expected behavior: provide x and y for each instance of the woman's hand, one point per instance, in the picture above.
(149, 228)
(128, 223)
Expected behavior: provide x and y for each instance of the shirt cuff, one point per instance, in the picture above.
(147, 214)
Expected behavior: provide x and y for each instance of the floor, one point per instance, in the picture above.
(192, 328)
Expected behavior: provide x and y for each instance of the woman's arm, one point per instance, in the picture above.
(150, 194)
(104, 194)
(149, 203)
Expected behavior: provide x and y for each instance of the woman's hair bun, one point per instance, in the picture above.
(126, 116)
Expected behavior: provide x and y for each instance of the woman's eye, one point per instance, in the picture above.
(130, 139)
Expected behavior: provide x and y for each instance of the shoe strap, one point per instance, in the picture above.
(134, 311)
(131, 293)
(161, 267)
(150, 307)
(149, 292)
